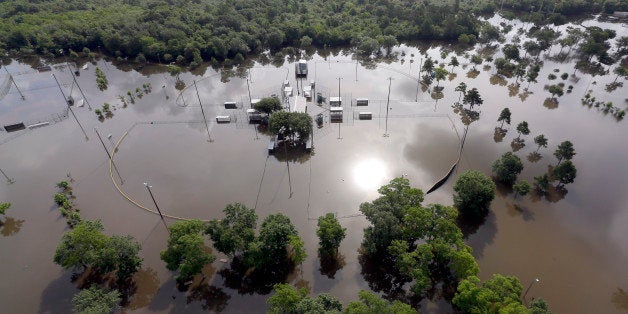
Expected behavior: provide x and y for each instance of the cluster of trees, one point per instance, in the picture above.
(287, 299)
(296, 126)
(63, 199)
(190, 32)
(4, 207)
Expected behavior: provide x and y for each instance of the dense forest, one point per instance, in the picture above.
(192, 31)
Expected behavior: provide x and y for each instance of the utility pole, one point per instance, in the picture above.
(339, 78)
(70, 107)
(527, 290)
(203, 112)
(109, 155)
(285, 149)
(15, 84)
(356, 70)
(155, 202)
(79, 87)
(9, 180)
(388, 106)
(249, 89)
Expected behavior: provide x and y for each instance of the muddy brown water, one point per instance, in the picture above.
(573, 241)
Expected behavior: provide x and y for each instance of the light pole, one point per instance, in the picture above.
(527, 290)
(70, 107)
(79, 87)
(109, 155)
(249, 89)
(15, 84)
(203, 112)
(9, 180)
(339, 78)
(388, 106)
(155, 202)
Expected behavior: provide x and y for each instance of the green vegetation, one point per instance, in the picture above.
(522, 129)
(63, 199)
(96, 300)
(101, 79)
(330, 234)
(474, 193)
(271, 246)
(541, 183)
(4, 207)
(297, 126)
(371, 303)
(189, 32)
(500, 294)
(287, 299)
(504, 116)
(541, 141)
(233, 234)
(565, 151)
(565, 172)
(472, 97)
(86, 246)
(268, 105)
(186, 252)
(522, 188)
(507, 168)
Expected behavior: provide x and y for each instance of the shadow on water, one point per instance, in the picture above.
(515, 209)
(57, 296)
(550, 103)
(10, 226)
(499, 134)
(470, 226)
(291, 153)
(534, 157)
(261, 281)
(383, 277)
(329, 266)
(212, 298)
(502, 189)
(517, 144)
(620, 299)
(142, 290)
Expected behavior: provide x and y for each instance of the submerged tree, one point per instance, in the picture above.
(565, 172)
(462, 88)
(232, 234)
(287, 299)
(371, 303)
(541, 183)
(4, 207)
(454, 63)
(294, 125)
(565, 151)
(268, 105)
(472, 97)
(504, 117)
(440, 74)
(507, 168)
(96, 300)
(186, 250)
(498, 294)
(271, 246)
(541, 141)
(474, 192)
(521, 188)
(330, 234)
(522, 128)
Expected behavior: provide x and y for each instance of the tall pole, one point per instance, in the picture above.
(156, 206)
(203, 112)
(339, 78)
(527, 290)
(70, 107)
(388, 106)
(9, 180)
(249, 89)
(418, 83)
(14, 84)
(285, 149)
(79, 87)
(356, 70)
(109, 155)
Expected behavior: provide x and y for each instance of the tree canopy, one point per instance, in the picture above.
(268, 105)
(504, 116)
(492, 296)
(96, 300)
(232, 234)
(4, 207)
(287, 299)
(271, 246)
(186, 249)
(474, 192)
(294, 125)
(507, 168)
(565, 172)
(371, 303)
(565, 150)
(330, 234)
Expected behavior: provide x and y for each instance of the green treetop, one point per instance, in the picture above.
(330, 234)
(474, 192)
(507, 168)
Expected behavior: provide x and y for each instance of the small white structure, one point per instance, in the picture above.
(223, 119)
(287, 91)
(365, 115)
(254, 101)
(335, 101)
(307, 91)
(230, 105)
(361, 102)
(335, 113)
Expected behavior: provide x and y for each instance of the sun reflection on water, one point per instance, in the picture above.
(370, 174)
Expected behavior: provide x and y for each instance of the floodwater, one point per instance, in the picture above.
(574, 241)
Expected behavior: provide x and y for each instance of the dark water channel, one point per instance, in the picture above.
(574, 240)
